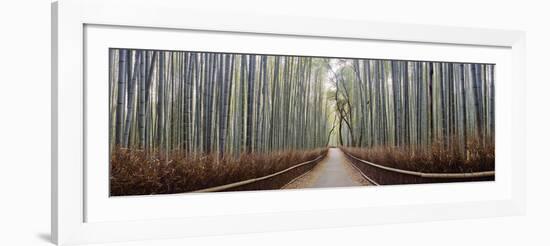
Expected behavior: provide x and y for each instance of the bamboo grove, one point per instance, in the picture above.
(414, 105)
(203, 103)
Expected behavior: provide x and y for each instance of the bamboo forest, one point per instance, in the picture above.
(184, 121)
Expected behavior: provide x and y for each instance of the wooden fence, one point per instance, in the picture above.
(382, 175)
(268, 182)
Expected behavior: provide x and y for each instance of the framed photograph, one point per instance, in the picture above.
(170, 125)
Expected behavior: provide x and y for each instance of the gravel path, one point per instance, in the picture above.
(333, 171)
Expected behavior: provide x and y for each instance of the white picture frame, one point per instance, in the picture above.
(82, 213)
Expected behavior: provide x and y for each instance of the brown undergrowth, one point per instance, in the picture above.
(135, 172)
(435, 159)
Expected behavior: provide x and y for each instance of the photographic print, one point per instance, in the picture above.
(189, 121)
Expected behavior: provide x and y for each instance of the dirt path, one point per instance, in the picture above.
(333, 171)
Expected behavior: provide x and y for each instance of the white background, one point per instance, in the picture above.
(25, 122)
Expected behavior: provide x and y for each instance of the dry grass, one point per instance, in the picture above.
(431, 160)
(134, 172)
